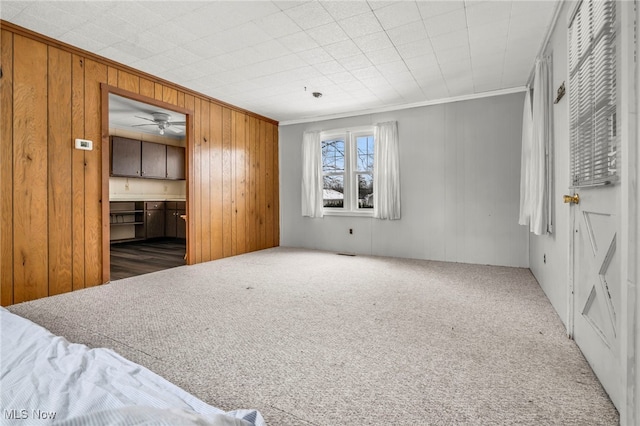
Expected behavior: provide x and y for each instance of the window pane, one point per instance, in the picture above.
(365, 191)
(333, 156)
(364, 154)
(333, 191)
(592, 98)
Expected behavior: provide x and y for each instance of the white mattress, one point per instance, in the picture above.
(45, 378)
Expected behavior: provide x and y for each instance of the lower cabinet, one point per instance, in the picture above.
(127, 220)
(139, 220)
(175, 225)
(154, 219)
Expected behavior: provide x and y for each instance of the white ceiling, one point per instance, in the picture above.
(130, 115)
(269, 56)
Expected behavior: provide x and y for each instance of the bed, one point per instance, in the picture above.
(44, 379)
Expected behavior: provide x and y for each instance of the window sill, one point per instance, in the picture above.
(336, 212)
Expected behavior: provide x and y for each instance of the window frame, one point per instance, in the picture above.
(350, 203)
(596, 154)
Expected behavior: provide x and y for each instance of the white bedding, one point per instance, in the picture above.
(44, 379)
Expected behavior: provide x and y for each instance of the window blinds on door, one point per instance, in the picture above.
(592, 93)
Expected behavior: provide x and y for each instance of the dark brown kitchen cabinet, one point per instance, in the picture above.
(175, 162)
(154, 219)
(154, 160)
(175, 226)
(134, 158)
(125, 157)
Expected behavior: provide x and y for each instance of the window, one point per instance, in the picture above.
(592, 93)
(347, 171)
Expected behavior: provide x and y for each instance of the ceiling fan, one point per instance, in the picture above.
(163, 122)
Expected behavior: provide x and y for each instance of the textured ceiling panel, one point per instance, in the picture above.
(268, 56)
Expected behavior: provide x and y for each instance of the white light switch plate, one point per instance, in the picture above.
(85, 144)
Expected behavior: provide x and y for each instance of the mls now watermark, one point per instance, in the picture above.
(29, 414)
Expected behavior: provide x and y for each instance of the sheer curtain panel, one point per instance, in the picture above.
(536, 145)
(311, 175)
(539, 146)
(525, 160)
(386, 172)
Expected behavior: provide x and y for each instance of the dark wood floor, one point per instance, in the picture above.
(142, 257)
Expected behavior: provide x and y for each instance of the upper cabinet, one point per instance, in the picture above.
(125, 157)
(175, 162)
(134, 158)
(154, 160)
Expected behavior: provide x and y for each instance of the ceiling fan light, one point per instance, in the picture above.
(161, 131)
(161, 117)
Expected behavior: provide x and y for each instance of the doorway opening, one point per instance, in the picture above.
(145, 183)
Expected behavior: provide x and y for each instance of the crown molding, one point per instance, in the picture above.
(406, 106)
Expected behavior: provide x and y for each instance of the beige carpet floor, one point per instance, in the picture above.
(314, 338)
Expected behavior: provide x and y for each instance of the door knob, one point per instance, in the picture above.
(572, 199)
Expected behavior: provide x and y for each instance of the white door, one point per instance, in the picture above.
(595, 96)
(597, 284)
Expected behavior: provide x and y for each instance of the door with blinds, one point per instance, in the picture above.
(595, 191)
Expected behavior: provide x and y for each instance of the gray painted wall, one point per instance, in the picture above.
(460, 183)
(637, 245)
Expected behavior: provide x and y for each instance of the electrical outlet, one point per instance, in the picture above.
(126, 185)
(350, 230)
(544, 258)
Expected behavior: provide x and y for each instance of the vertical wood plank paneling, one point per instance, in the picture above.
(189, 103)
(52, 208)
(263, 184)
(227, 174)
(104, 195)
(276, 187)
(128, 81)
(248, 198)
(6, 171)
(59, 168)
(147, 88)
(234, 183)
(241, 181)
(215, 180)
(246, 165)
(255, 192)
(158, 91)
(252, 221)
(198, 181)
(77, 173)
(112, 76)
(268, 141)
(30, 170)
(95, 73)
(205, 185)
(169, 95)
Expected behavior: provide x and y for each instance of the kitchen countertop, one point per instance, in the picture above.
(145, 198)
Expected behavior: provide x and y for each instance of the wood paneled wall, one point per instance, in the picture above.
(51, 230)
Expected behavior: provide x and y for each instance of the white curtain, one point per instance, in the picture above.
(311, 175)
(525, 159)
(386, 172)
(534, 184)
